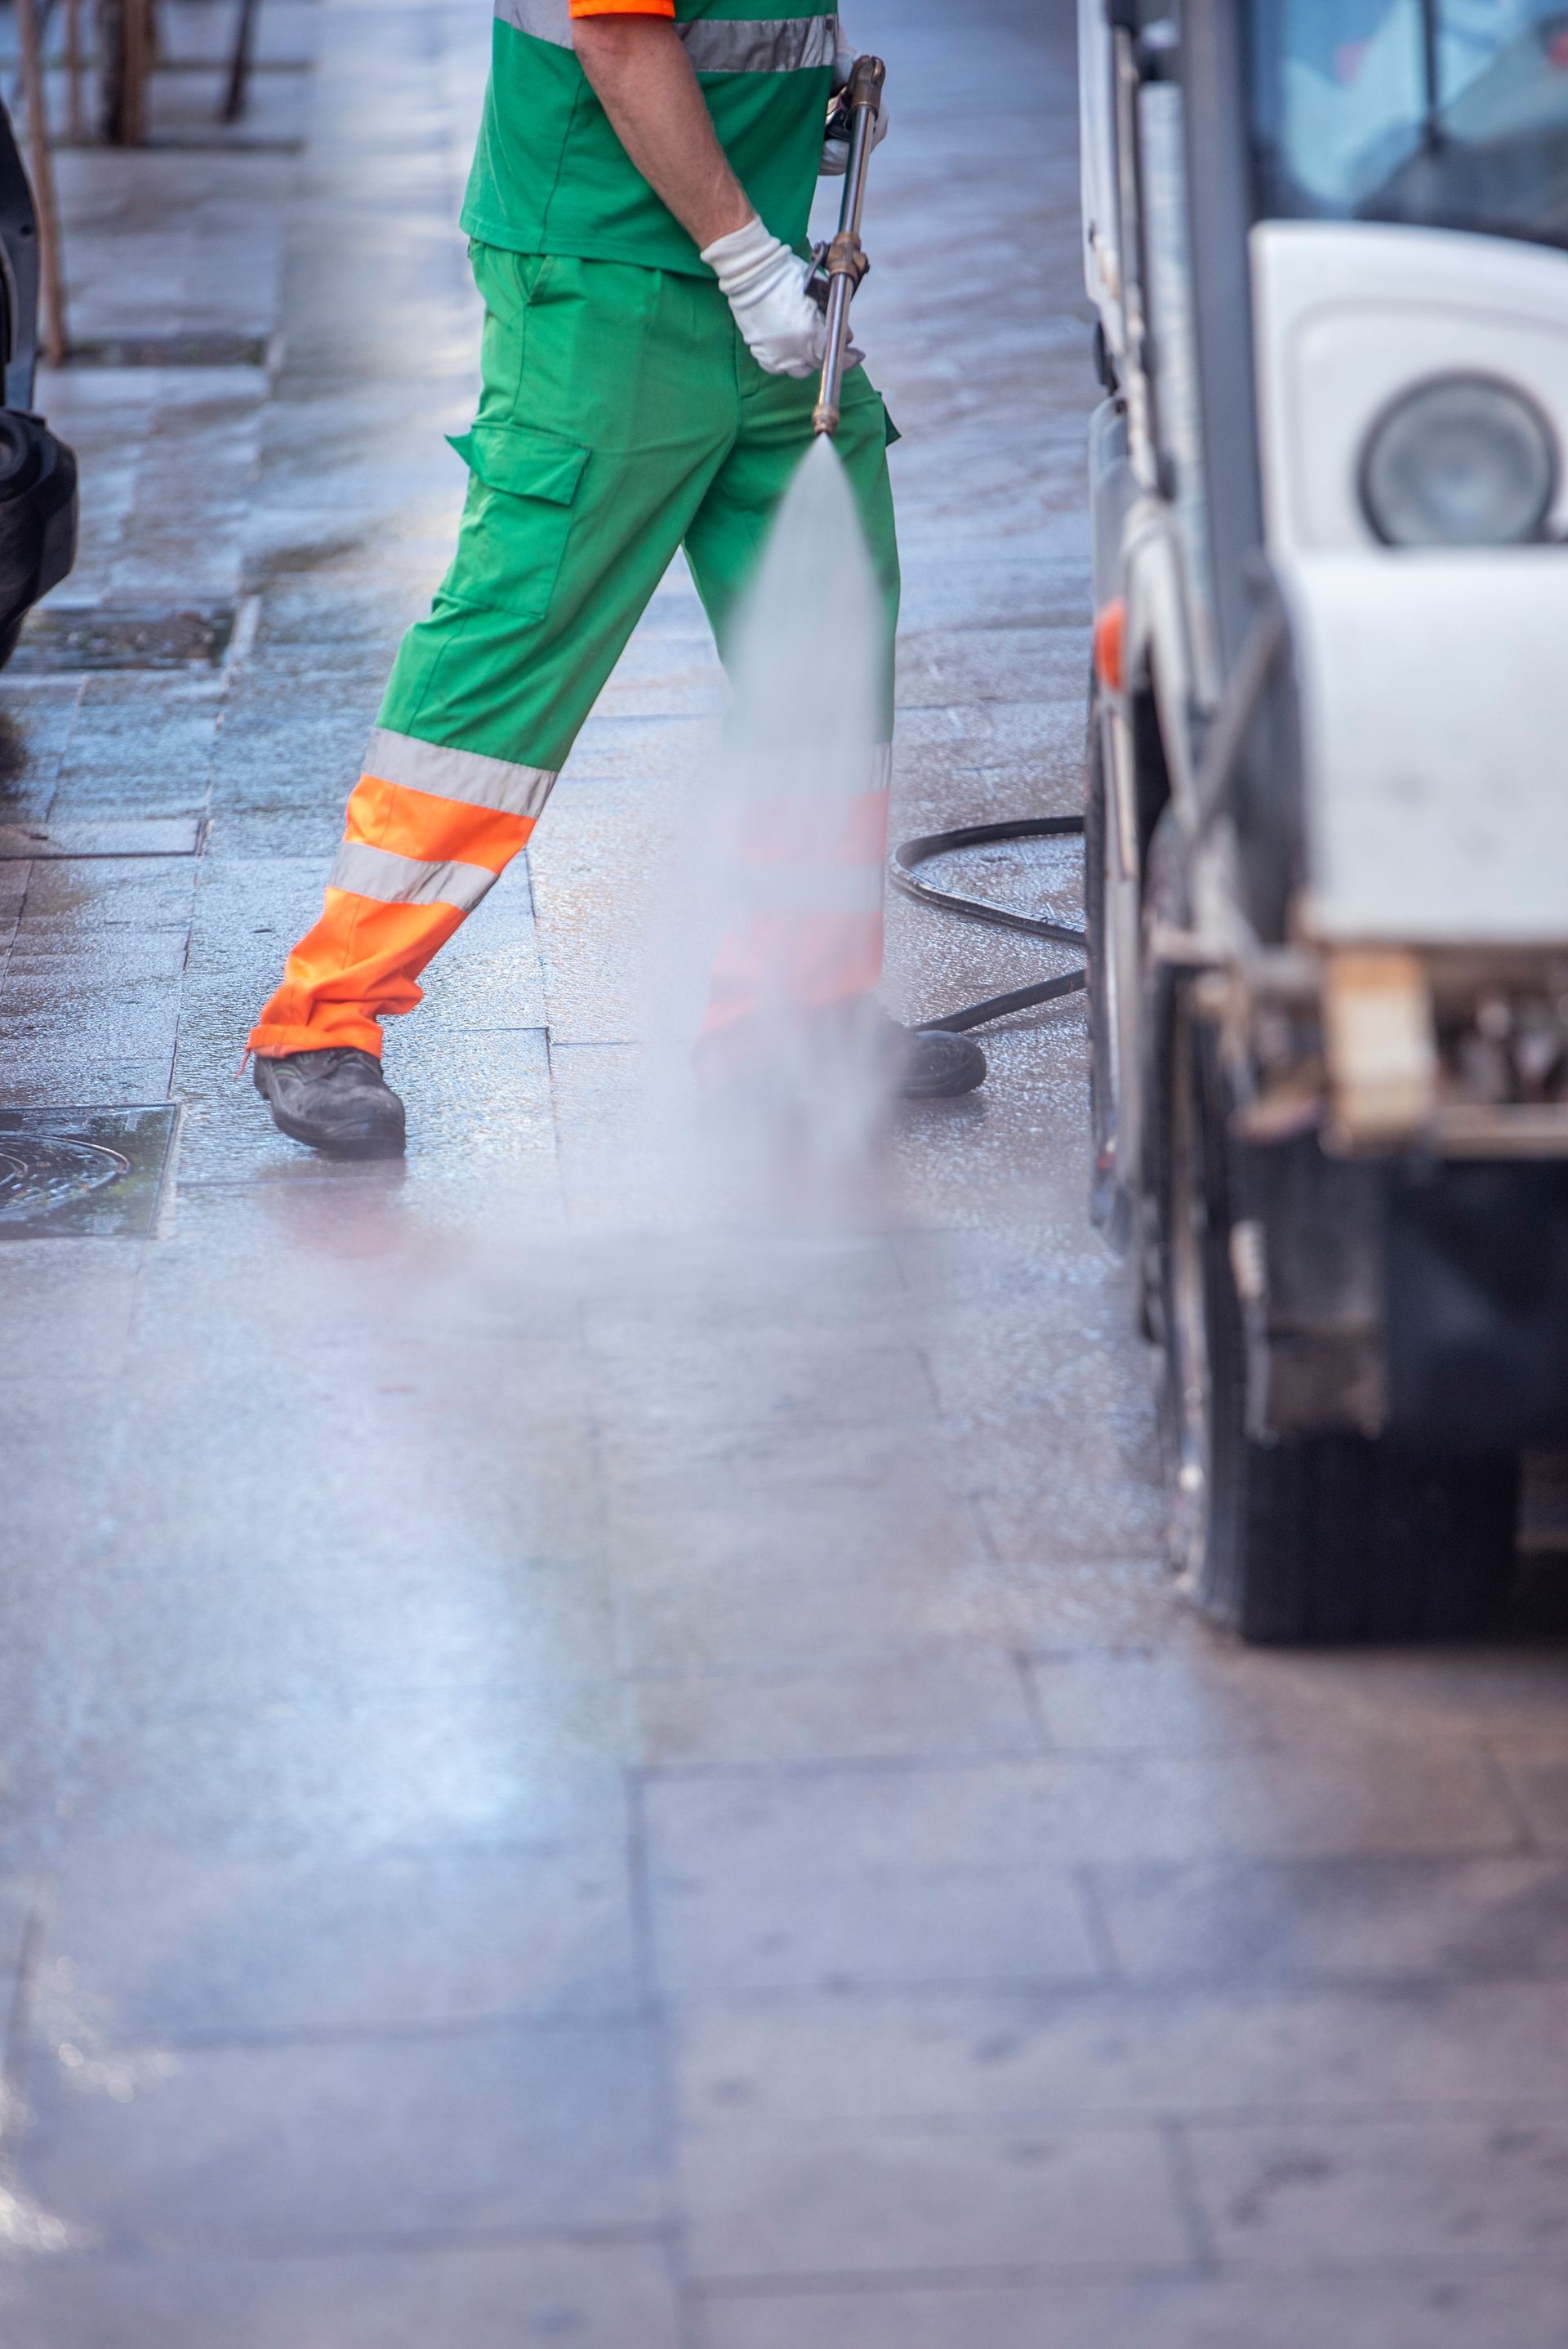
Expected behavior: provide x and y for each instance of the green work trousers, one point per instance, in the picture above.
(622, 416)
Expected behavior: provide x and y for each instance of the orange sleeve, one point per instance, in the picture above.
(623, 7)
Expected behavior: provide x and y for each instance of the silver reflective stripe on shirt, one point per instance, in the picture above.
(469, 776)
(762, 44)
(770, 45)
(368, 872)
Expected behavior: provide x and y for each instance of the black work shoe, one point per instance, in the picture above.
(853, 1042)
(336, 1100)
(938, 1064)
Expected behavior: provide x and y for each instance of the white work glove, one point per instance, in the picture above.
(765, 285)
(836, 151)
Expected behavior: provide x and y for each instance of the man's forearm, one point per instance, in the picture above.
(641, 74)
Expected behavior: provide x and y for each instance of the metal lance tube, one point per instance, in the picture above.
(846, 262)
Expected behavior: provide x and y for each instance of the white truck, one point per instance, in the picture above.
(1327, 785)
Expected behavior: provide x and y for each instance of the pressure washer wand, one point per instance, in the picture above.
(845, 261)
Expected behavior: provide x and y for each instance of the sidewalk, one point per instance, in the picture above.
(568, 1777)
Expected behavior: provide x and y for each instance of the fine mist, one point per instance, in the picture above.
(769, 933)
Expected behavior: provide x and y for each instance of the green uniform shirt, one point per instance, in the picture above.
(550, 176)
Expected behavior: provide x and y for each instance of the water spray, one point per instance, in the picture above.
(844, 263)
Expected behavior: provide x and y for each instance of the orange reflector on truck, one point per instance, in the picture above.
(1109, 641)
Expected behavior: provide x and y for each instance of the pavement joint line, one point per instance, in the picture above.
(640, 1874)
(128, 2249)
(14, 2049)
(1502, 1781)
(1002, 2276)
(1097, 1924)
(522, 2024)
(1419, 2267)
(829, 1667)
(1186, 2192)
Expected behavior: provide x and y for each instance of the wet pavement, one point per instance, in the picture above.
(574, 1770)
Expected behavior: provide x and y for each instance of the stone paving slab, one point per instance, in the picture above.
(1287, 2196)
(1224, 2049)
(599, 2295)
(177, 1948)
(869, 2201)
(324, 2143)
(1401, 1918)
(1451, 2310)
(946, 1702)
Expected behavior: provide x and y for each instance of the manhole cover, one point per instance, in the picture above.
(196, 350)
(82, 1173)
(127, 636)
(42, 1173)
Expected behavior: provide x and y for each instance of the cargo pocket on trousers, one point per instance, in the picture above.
(518, 517)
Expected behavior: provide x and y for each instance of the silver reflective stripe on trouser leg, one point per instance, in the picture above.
(760, 45)
(392, 880)
(470, 776)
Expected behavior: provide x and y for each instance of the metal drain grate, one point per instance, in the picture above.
(61, 637)
(193, 351)
(82, 1174)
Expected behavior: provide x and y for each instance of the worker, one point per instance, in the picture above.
(637, 211)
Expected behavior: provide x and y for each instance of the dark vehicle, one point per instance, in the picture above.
(37, 471)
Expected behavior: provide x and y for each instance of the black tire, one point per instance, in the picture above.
(1109, 1207)
(1323, 1539)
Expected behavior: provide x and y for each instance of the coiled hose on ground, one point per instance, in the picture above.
(911, 853)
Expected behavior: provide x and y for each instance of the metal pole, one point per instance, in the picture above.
(240, 66)
(55, 340)
(1432, 70)
(76, 121)
(846, 262)
(137, 21)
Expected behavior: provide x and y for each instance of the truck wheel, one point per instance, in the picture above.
(1333, 1537)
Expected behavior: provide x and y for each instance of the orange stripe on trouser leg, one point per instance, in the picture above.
(776, 962)
(811, 935)
(834, 830)
(418, 824)
(357, 966)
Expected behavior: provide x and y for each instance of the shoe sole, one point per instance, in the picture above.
(915, 1090)
(369, 1145)
(939, 1093)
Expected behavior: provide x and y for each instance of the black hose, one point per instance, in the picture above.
(908, 853)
